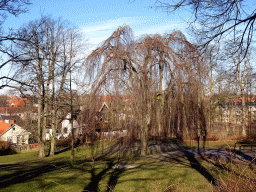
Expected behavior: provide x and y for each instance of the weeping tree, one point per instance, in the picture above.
(152, 69)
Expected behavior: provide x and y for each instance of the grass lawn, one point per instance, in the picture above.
(153, 173)
(20, 156)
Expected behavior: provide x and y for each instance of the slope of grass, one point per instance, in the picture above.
(150, 175)
(154, 173)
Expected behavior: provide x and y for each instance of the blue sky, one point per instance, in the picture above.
(99, 18)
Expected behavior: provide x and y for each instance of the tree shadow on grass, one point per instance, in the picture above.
(114, 178)
(195, 164)
(245, 156)
(118, 169)
(93, 186)
(24, 173)
(229, 170)
(132, 148)
(120, 148)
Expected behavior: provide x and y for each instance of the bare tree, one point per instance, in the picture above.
(50, 49)
(241, 73)
(12, 7)
(142, 69)
(218, 20)
(71, 55)
(8, 7)
(212, 59)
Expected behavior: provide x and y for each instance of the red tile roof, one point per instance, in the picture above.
(4, 127)
(10, 121)
(13, 104)
(18, 102)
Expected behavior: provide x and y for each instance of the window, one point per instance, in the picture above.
(23, 140)
(65, 130)
(18, 140)
(9, 139)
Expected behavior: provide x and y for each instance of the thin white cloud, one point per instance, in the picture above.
(97, 40)
(110, 24)
(161, 29)
(100, 30)
(96, 28)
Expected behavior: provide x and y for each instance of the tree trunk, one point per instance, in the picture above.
(243, 113)
(54, 115)
(144, 135)
(39, 125)
(72, 158)
(39, 115)
(159, 112)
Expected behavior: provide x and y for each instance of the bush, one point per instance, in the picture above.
(63, 143)
(239, 138)
(212, 138)
(6, 148)
(251, 137)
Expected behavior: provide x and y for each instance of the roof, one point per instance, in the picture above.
(9, 117)
(103, 105)
(13, 118)
(12, 104)
(18, 102)
(10, 121)
(106, 98)
(4, 127)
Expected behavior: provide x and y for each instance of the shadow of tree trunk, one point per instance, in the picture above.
(113, 179)
(95, 179)
(25, 173)
(203, 171)
(245, 156)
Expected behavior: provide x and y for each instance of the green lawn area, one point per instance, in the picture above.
(153, 173)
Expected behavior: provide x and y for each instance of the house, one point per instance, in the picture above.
(65, 130)
(231, 111)
(14, 134)
(23, 107)
(12, 105)
(48, 133)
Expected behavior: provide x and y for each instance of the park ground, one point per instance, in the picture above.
(112, 166)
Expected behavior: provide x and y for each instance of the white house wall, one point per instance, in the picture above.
(18, 132)
(66, 124)
(48, 134)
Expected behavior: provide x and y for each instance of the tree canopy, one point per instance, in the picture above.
(219, 20)
(154, 70)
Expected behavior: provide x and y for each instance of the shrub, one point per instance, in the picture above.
(239, 138)
(212, 138)
(6, 148)
(63, 143)
(251, 137)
